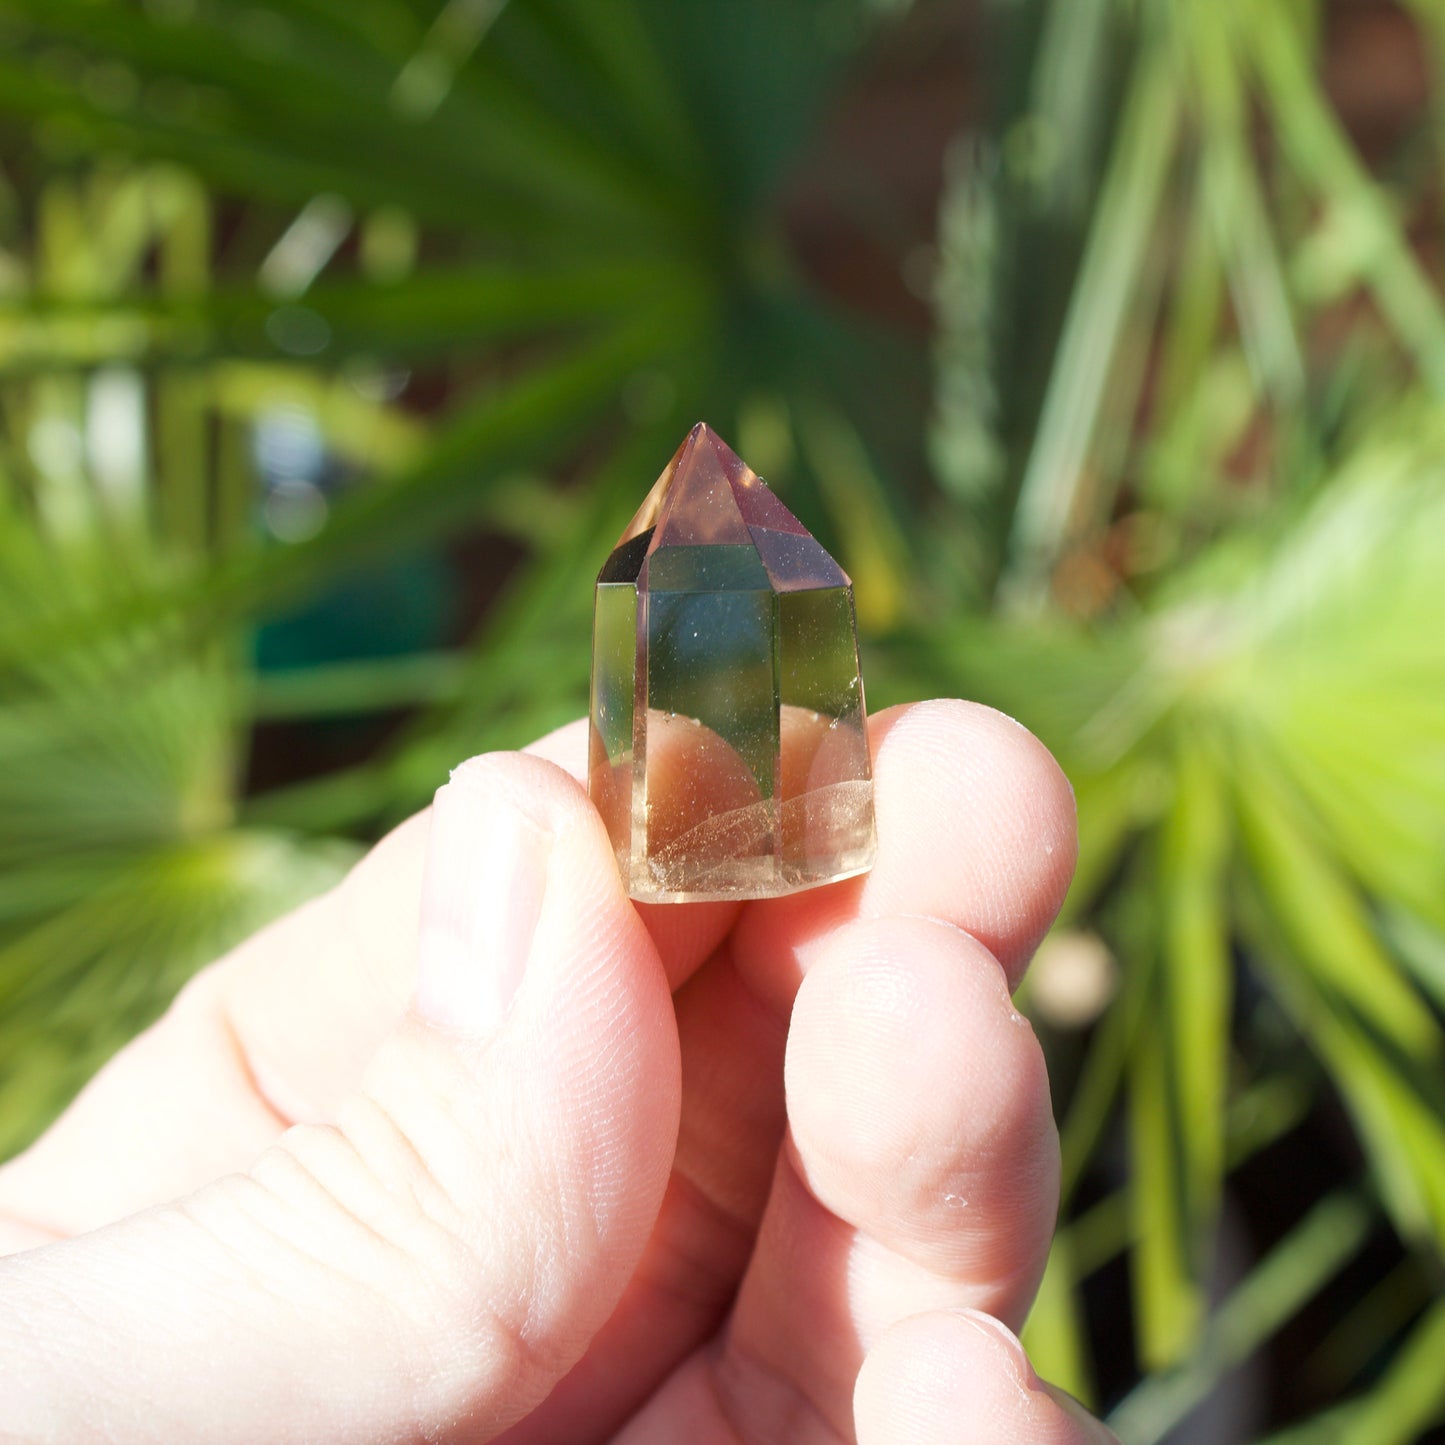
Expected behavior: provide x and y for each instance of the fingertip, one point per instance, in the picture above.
(919, 1105)
(960, 1377)
(482, 895)
(963, 790)
(536, 785)
(586, 905)
(566, 747)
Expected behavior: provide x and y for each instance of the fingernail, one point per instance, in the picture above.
(486, 875)
(1000, 1333)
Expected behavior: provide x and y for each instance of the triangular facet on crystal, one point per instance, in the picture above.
(729, 756)
(707, 496)
(699, 508)
(795, 562)
(760, 508)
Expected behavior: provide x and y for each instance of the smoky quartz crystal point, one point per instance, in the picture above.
(729, 745)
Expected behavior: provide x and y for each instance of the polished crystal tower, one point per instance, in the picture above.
(729, 746)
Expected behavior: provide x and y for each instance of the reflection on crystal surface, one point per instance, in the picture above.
(614, 686)
(729, 753)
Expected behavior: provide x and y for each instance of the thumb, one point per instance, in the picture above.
(432, 1262)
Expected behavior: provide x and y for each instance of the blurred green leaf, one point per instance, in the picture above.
(1123, 221)
(1367, 234)
(1402, 1407)
(1293, 1272)
(1179, 1079)
(1055, 1335)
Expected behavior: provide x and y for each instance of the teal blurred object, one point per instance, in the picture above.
(1167, 486)
(402, 607)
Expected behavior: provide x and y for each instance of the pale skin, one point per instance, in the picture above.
(473, 1148)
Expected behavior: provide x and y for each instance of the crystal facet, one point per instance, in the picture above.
(729, 746)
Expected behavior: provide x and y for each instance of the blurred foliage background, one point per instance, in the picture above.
(1102, 340)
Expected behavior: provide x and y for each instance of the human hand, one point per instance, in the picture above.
(558, 1169)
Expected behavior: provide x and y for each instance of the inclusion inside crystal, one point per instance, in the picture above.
(729, 752)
